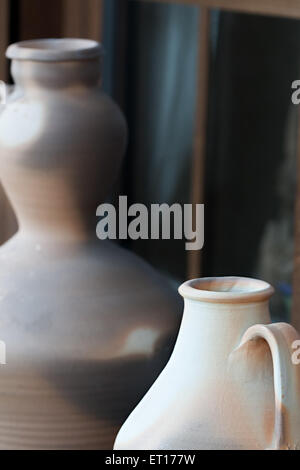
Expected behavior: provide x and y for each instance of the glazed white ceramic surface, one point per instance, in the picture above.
(230, 383)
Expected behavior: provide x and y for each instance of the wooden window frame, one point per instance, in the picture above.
(283, 8)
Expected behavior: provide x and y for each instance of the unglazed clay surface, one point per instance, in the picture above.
(87, 325)
(230, 383)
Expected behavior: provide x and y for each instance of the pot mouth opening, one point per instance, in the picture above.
(55, 50)
(226, 290)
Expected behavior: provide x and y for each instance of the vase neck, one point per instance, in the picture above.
(62, 140)
(36, 76)
(54, 203)
(217, 328)
(212, 328)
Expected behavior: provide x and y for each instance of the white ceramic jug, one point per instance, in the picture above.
(233, 380)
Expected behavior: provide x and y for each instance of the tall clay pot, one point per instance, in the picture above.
(87, 325)
(233, 380)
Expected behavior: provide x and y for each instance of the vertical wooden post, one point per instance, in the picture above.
(7, 221)
(120, 81)
(4, 38)
(39, 19)
(198, 165)
(83, 19)
(296, 277)
(120, 51)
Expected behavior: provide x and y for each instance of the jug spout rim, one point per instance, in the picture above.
(226, 289)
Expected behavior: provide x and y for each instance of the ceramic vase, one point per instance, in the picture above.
(233, 380)
(87, 325)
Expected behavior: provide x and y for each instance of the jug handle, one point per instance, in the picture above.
(284, 344)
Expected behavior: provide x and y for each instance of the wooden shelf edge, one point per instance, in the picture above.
(284, 8)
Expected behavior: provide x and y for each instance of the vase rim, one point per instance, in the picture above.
(55, 50)
(227, 289)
